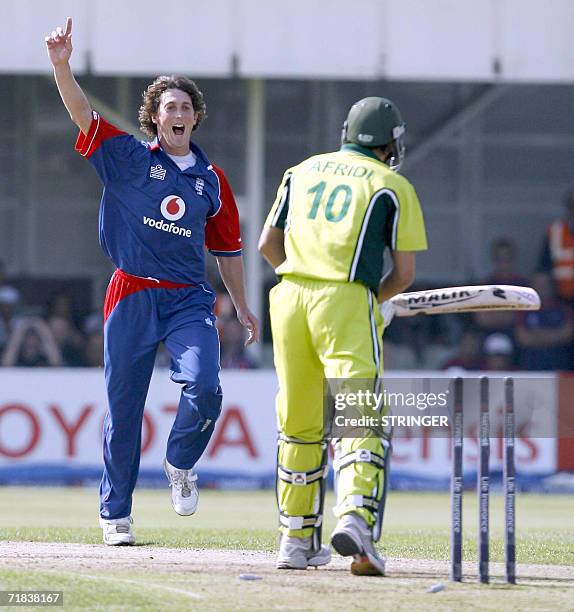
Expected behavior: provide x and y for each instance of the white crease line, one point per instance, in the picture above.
(136, 582)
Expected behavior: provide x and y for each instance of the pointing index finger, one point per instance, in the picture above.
(68, 26)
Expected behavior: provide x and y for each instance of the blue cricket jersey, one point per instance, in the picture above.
(155, 219)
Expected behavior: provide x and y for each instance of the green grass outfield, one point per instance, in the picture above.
(417, 526)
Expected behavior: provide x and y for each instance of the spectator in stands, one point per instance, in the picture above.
(94, 350)
(31, 344)
(397, 356)
(503, 272)
(503, 263)
(60, 318)
(231, 336)
(9, 300)
(545, 336)
(3, 274)
(557, 258)
(498, 351)
(233, 346)
(93, 331)
(468, 355)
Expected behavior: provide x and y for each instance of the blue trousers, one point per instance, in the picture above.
(139, 317)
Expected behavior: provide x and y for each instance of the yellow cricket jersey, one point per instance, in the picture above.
(340, 211)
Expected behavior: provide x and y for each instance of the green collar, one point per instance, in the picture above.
(355, 148)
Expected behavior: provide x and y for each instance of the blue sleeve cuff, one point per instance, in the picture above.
(226, 253)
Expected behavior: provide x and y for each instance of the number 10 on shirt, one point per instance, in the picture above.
(333, 200)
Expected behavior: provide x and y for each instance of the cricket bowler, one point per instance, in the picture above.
(325, 236)
(163, 201)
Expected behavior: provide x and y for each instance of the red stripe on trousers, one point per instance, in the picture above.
(123, 284)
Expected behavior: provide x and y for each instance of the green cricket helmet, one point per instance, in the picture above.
(376, 122)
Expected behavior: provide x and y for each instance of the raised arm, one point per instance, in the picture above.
(59, 47)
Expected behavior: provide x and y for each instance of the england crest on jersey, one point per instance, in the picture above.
(157, 172)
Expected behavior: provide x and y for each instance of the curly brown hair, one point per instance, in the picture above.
(152, 95)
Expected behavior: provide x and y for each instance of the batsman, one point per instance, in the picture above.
(326, 234)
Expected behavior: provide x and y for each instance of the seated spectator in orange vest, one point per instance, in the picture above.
(545, 336)
(557, 256)
(503, 272)
(498, 350)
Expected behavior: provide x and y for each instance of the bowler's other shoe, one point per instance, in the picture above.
(118, 532)
(184, 493)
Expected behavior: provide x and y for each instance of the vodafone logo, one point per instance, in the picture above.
(172, 208)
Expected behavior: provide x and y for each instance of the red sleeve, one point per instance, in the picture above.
(222, 232)
(99, 131)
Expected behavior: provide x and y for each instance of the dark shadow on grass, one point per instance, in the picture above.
(564, 582)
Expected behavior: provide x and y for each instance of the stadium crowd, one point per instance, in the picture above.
(495, 341)
(59, 334)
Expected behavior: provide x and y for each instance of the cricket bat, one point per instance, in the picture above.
(465, 299)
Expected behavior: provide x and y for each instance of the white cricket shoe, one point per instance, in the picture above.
(184, 493)
(118, 532)
(296, 553)
(353, 537)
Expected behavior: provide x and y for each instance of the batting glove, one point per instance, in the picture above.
(387, 311)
